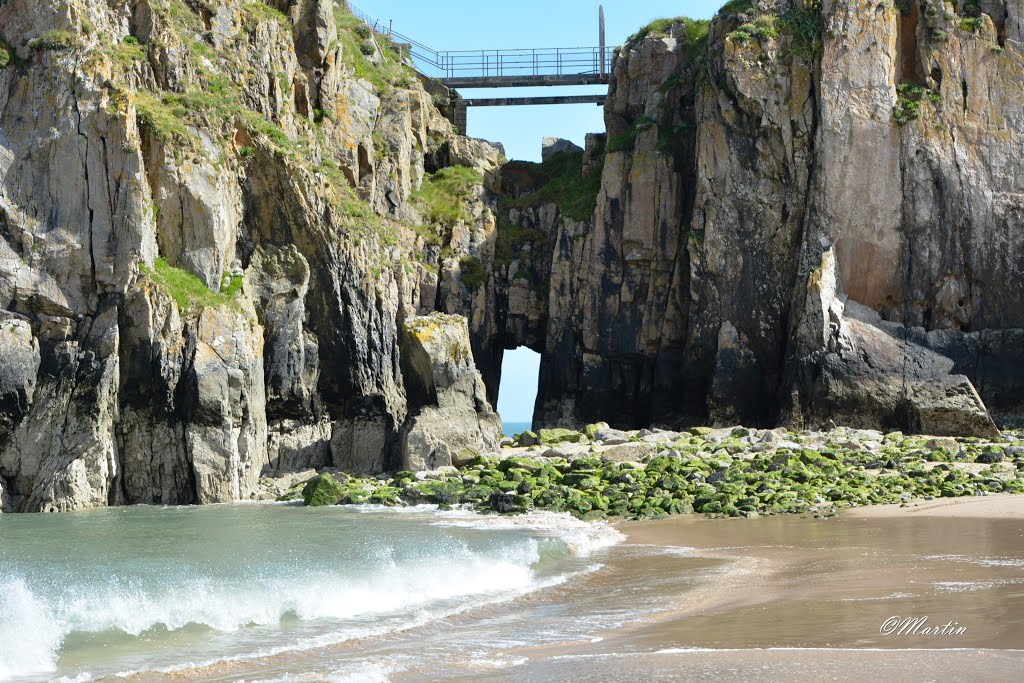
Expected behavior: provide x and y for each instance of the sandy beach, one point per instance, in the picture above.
(793, 597)
(977, 507)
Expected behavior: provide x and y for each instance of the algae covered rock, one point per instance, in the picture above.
(549, 437)
(528, 439)
(322, 490)
(592, 430)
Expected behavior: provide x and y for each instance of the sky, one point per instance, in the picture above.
(505, 24)
(501, 24)
(518, 391)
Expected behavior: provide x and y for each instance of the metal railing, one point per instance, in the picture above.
(494, 63)
(555, 61)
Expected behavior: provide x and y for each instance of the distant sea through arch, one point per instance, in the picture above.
(511, 428)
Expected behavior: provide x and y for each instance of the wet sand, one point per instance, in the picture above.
(797, 598)
(980, 507)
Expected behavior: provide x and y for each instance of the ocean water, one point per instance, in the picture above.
(513, 428)
(152, 590)
(281, 594)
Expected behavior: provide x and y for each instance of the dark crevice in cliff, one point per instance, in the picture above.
(794, 372)
(909, 20)
(88, 184)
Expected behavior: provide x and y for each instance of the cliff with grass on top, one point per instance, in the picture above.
(227, 228)
(809, 213)
(215, 219)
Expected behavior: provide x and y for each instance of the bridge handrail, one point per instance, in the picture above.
(554, 61)
(420, 50)
(534, 62)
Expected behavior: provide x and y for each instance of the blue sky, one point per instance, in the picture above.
(502, 24)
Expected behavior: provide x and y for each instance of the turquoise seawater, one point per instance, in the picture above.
(153, 589)
(513, 428)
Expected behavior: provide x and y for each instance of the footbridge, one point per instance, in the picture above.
(513, 68)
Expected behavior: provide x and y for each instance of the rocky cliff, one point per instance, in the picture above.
(222, 222)
(808, 212)
(209, 245)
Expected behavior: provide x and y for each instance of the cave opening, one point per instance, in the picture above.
(517, 393)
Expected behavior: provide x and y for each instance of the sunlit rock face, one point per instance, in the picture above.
(745, 156)
(217, 220)
(208, 246)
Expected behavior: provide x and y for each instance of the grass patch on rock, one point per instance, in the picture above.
(443, 196)
(189, 292)
(801, 23)
(54, 40)
(694, 30)
(909, 98)
(358, 46)
(566, 185)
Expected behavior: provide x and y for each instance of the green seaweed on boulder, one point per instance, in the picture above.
(322, 490)
(550, 437)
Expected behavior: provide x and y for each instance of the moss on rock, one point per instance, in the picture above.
(549, 437)
(728, 473)
(322, 490)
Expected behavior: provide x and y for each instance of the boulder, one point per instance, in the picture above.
(949, 406)
(555, 436)
(449, 412)
(629, 452)
(322, 490)
(528, 439)
(990, 457)
(553, 146)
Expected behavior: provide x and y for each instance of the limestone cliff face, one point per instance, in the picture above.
(221, 223)
(207, 246)
(785, 139)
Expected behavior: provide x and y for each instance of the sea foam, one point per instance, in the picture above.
(405, 587)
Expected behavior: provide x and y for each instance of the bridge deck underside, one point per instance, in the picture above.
(521, 101)
(524, 81)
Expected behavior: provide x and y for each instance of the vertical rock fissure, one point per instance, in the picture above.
(910, 14)
(799, 281)
(88, 183)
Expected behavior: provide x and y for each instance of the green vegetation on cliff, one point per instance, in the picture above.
(54, 40)
(800, 23)
(910, 97)
(515, 241)
(562, 180)
(189, 292)
(359, 44)
(694, 31)
(443, 195)
(472, 272)
(567, 185)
